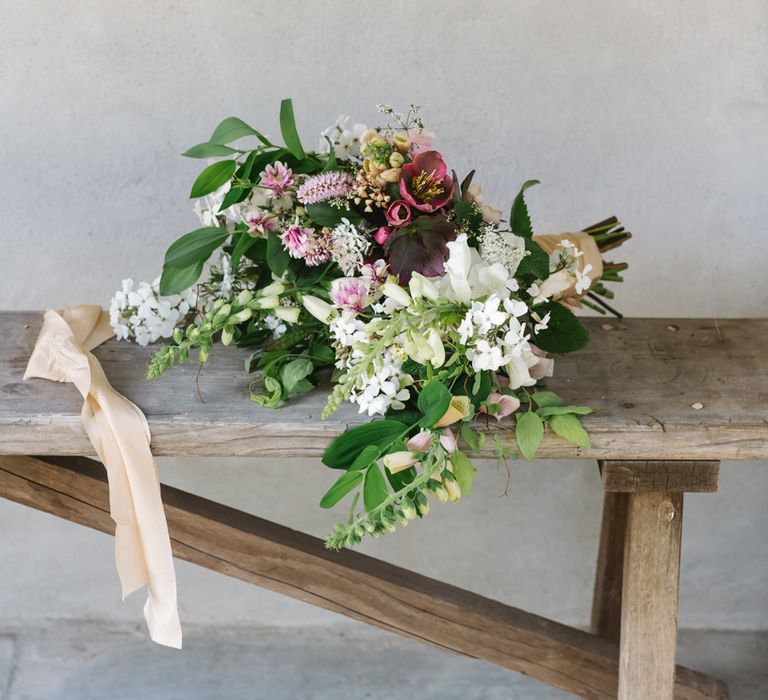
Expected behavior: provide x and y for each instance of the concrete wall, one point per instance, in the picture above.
(652, 110)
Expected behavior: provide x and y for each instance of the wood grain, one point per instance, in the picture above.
(681, 476)
(643, 378)
(649, 599)
(365, 589)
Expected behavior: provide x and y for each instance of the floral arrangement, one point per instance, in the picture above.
(371, 261)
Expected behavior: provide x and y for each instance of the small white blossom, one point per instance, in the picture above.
(346, 142)
(348, 246)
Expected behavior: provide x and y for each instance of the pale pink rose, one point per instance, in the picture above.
(421, 140)
(349, 293)
(420, 442)
(507, 404)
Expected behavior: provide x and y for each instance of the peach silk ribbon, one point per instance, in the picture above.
(120, 435)
(550, 242)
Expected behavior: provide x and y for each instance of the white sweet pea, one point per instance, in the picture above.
(421, 286)
(320, 309)
(457, 268)
(396, 293)
(273, 288)
(438, 351)
(519, 373)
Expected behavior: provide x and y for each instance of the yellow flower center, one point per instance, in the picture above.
(426, 186)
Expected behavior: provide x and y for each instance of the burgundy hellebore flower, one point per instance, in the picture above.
(398, 214)
(425, 183)
(383, 235)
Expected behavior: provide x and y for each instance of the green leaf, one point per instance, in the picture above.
(546, 398)
(344, 484)
(176, 279)
(341, 453)
(234, 196)
(536, 263)
(232, 129)
(195, 246)
(323, 214)
(244, 243)
(548, 411)
(209, 150)
(277, 256)
(529, 430)
(564, 333)
(399, 480)
(464, 471)
(213, 177)
(294, 372)
(473, 438)
(433, 402)
(331, 163)
(375, 489)
(322, 354)
(569, 428)
(519, 219)
(370, 453)
(288, 129)
(272, 399)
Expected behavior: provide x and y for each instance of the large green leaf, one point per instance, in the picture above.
(288, 129)
(564, 332)
(464, 471)
(344, 484)
(176, 279)
(294, 372)
(278, 258)
(343, 451)
(232, 129)
(323, 214)
(375, 489)
(213, 177)
(209, 150)
(433, 402)
(529, 431)
(195, 247)
(536, 263)
(547, 411)
(244, 243)
(569, 428)
(519, 219)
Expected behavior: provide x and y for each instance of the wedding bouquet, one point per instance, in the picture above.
(371, 261)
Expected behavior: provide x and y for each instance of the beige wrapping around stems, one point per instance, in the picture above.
(586, 244)
(120, 435)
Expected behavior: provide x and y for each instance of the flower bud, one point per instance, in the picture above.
(300, 211)
(396, 160)
(378, 141)
(438, 351)
(226, 336)
(451, 486)
(244, 297)
(440, 493)
(396, 293)
(242, 316)
(408, 508)
(178, 336)
(320, 309)
(422, 503)
(270, 289)
(390, 175)
(218, 304)
(367, 136)
(401, 142)
(398, 461)
(193, 333)
(269, 302)
(203, 354)
(223, 311)
(289, 314)
(370, 526)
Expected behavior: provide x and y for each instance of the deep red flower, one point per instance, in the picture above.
(425, 183)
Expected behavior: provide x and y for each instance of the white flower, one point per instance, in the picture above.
(347, 329)
(583, 280)
(348, 247)
(554, 284)
(502, 247)
(346, 142)
(487, 356)
(518, 371)
(207, 209)
(457, 268)
(275, 324)
(541, 323)
(396, 293)
(320, 309)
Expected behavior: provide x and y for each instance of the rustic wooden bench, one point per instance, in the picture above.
(675, 398)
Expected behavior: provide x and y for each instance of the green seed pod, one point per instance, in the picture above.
(178, 336)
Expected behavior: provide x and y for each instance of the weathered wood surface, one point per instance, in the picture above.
(366, 589)
(649, 598)
(643, 374)
(681, 476)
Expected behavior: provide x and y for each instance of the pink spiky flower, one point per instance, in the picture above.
(297, 240)
(349, 293)
(321, 250)
(277, 179)
(319, 188)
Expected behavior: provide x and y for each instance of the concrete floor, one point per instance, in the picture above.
(97, 661)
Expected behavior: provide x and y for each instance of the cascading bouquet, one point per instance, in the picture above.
(369, 258)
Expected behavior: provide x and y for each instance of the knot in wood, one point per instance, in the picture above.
(666, 511)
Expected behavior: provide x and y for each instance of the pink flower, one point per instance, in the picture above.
(376, 272)
(349, 293)
(277, 179)
(507, 404)
(319, 188)
(398, 214)
(297, 240)
(448, 441)
(545, 367)
(420, 442)
(425, 183)
(383, 235)
(260, 223)
(421, 140)
(320, 250)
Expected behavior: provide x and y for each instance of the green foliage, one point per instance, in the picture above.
(569, 428)
(278, 258)
(293, 375)
(375, 489)
(546, 398)
(244, 243)
(464, 471)
(469, 219)
(209, 150)
(473, 438)
(323, 214)
(564, 333)
(519, 219)
(176, 279)
(232, 129)
(529, 431)
(195, 246)
(288, 129)
(548, 411)
(341, 453)
(213, 177)
(433, 402)
(536, 263)
(344, 484)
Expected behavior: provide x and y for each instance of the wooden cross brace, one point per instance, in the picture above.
(635, 594)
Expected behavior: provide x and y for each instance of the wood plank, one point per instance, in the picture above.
(606, 602)
(649, 600)
(644, 378)
(674, 476)
(352, 584)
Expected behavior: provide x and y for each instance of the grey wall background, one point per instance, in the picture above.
(652, 110)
